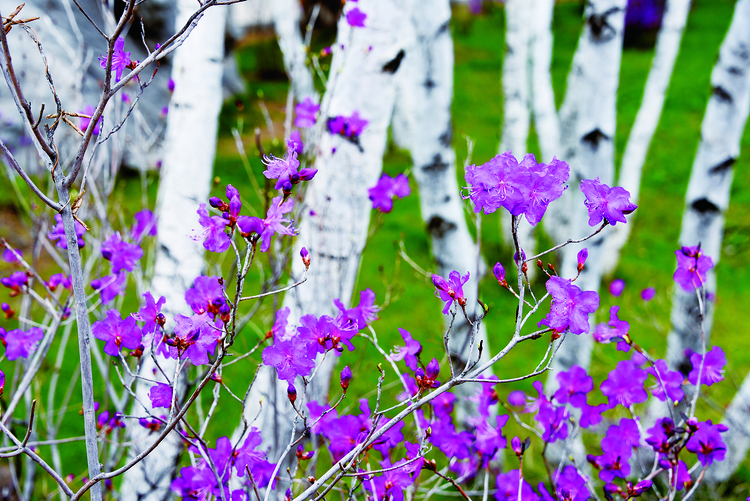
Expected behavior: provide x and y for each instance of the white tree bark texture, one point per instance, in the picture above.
(362, 78)
(422, 124)
(190, 148)
(649, 113)
(587, 119)
(516, 105)
(706, 201)
(287, 15)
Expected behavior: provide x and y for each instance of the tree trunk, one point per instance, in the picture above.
(189, 151)
(361, 79)
(667, 48)
(287, 15)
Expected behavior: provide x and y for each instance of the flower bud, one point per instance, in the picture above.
(582, 256)
(305, 257)
(218, 203)
(346, 376)
(500, 274)
(291, 392)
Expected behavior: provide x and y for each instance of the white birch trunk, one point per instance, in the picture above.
(190, 148)
(362, 79)
(546, 121)
(706, 201)
(422, 124)
(654, 94)
(587, 119)
(286, 18)
(516, 112)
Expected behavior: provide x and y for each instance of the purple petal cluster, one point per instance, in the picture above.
(615, 329)
(274, 223)
(284, 170)
(305, 113)
(350, 127)
(207, 296)
(122, 254)
(605, 203)
(117, 333)
(387, 188)
(194, 337)
(20, 344)
(214, 235)
(707, 444)
(450, 290)
(624, 385)
(692, 266)
(145, 225)
(668, 383)
(570, 306)
(356, 18)
(120, 59)
(160, 395)
(110, 286)
(16, 282)
(58, 280)
(365, 313)
(58, 233)
(409, 352)
(713, 367)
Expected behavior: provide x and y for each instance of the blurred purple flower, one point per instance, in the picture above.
(120, 59)
(692, 266)
(122, 254)
(713, 367)
(145, 225)
(160, 395)
(605, 203)
(20, 343)
(58, 233)
(388, 188)
(305, 113)
(117, 333)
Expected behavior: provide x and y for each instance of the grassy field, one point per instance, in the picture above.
(648, 259)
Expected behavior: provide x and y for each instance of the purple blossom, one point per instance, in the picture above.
(707, 443)
(451, 289)
(170, 85)
(305, 113)
(624, 385)
(273, 223)
(20, 343)
(620, 439)
(58, 233)
(284, 170)
(612, 465)
(215, 238)
(120, 59)
(412, 452)
(391, 485)
(193, 337)
(659, 435)
(345, 378)
(574, 385)
(672, 381)
(9, 255)
(160, 395)
(616, 287)
(117, 333)
(151, 314)
(365, 313)
(383, 193)
(206, 295)
(497, 183)
(110, 286)
(591, 415)
(571, 486)
(122, 254)
(145, 225)
(409, 352)
(499, 273)
(508, 485)
(343, 434)
(489, 440)
(356, 18)
(554, 422)
(427, 378)
(57, 280)
(692, 266)
(517, 398)
(605, 203)
(84, 122)
(547, 183)
(290, 358)
(713, 367)
(582, 256)
(2, 382)
(451, 442)
(322, 334)
(350, 127)
(16, 282)
(318, 421)
(616, 329)
(648, 293)
(570, 307)
(249, 457)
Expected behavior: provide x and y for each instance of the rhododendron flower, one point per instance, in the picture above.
(9, 256)
(305, 113)
(499, 273)
(160, 395)
(554, 422)
(151, 313)
(659, 435)
(624, 385)
(508, 485)
(547, 183)
(57, 280)
(290, 358)
(350, 127)
(145, 225)
(117, 333)
(120, 59)
(574, 385)
(58, 233)
(194, 337)
(206, 295)
(648, 293)
(322, 334)
(409, 352)
(707, 443)
(84, 122)
(383, 193)
(616, 287)
(591, 415)
(356, 18)
(496, 184)
(668, 383)
(692, 266)
(570, 306)
(284, 170)
(111, 286)
(16, 282)
(365, 313)
(2, 382)
(489, 440)
(122, 254)
(20, 343)
(713, 367)
(615, 329)
(215, 238)
(273, 223)
(605, 203)
(450, 290)
(428, 378)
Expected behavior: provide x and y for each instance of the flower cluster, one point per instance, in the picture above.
(350, 127)
(388, 188)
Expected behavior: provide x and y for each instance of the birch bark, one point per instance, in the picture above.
(287, 15)
(654, 94)
(362, 79)
(422, 124)
(189, 151)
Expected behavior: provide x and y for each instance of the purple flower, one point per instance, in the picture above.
(319, 422)
(571, 486)
(84, 124)
(386, 189)
(621, 439)
(160, 395)
(350, 127)
(428, 378)
(110, 286)
(603, 202)
(290, 358)
(249, 457)
(151, 313)
(58, 233)
(194, 337)
(713, 367)
(170, 85)
(346, 377)
(305, 113)
(659, 435)
(284, 170)
(145, 225)
(409, 352)
(554, 422)
(120, 59)
(489, 440)
(591, 415)
(507, 488)
(616, 287)
(624, 385)
(612, 465)
(16, 282)
(583, 255)
(57, 280)
(692, 266)
(117, 333)
(616, 329)
(707, 443)
(574, 385)
(391, 485)
(322, 334)
(2, 382)
(672, 382)
(356, 18)
(570, 307)
(9, 256)
(362, 315)
(206, 295)
(546, 184)
(122, 254)
(648, 294)
(499, 272)
(451, 289)
(497, 183)
(273, 223)
(517, 398)
(215, 238)
(21, 344)
(449, 441)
